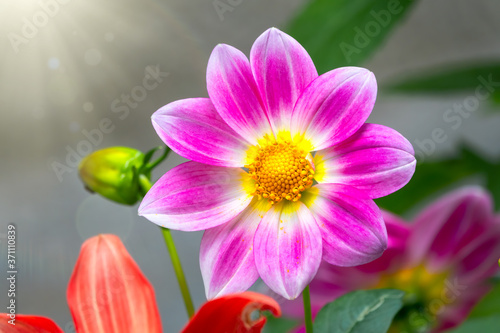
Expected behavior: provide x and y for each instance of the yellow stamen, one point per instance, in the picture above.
(280, 171)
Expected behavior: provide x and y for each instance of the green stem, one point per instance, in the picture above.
(144, 183)
(151, 166)
(306, 297)
(176, 262)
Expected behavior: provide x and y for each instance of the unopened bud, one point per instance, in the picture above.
(113, 173)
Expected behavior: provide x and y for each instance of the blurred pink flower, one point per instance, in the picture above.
(250, 181)
(443, 261)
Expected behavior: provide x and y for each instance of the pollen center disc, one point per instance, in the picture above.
(281, 171)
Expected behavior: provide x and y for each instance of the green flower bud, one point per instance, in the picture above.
(114, 173)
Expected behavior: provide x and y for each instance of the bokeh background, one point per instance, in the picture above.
(61, 75)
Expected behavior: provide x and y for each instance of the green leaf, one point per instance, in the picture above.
(469, 77)
(489, 305)
(478, 325)
(364, 311)
(278, 325)
(495, 98)
(344, 32)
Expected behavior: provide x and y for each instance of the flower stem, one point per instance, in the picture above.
(151, 166)
(176, 262)
(306, 297)
(145, 184)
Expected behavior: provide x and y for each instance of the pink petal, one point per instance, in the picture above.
(107, 291)
(27, 324)
(478, 261)
(287, 248)
(376, 159)
(477, 252)
(193, 129)
(227, 255)
(332, 281)
(282, 69)
(395, 256)
(446, 226)
(333, 107)
(398, 231)
(195, 196)
(235, 95)
(351, 225)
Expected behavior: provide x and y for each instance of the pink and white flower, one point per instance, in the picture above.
(269, 207)
(443, 260)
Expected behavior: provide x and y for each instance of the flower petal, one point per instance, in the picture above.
(351, 224)
(376, 159)
(478, 261)
(233, 91)
(282, 69)
(444, 228)
(193, 129)
(227, 255)
(332, 281)
(195, 196)
(232, 313)
(28, 324)
(333, 107)
(287, 248)
(398, 232)
(107, 291)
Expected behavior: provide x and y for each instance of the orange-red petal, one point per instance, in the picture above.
(28, 324)
(233, 314)
(108, 292)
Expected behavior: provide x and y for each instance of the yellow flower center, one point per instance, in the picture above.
(281, 171)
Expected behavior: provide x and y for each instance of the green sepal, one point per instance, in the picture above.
(115, 172)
